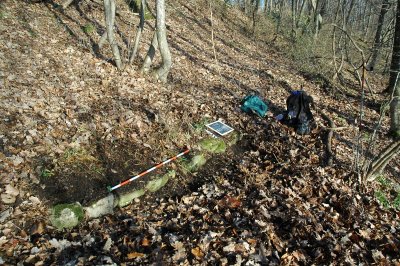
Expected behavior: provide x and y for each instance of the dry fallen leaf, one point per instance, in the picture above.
(145, 242)
(197, 252)
(230, 202)
(252, 241)
(134, 255)
(37, 228)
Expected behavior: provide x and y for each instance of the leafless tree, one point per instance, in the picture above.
(159, 42)
(138, 32)
(378, 34)
(109, 13)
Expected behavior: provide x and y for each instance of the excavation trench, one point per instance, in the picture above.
(83, 176)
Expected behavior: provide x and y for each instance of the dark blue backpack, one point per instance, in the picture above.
(298, 113)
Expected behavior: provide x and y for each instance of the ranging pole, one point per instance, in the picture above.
(147, 171)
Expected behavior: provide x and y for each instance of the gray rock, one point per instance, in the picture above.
(66, 215)
(101, 207)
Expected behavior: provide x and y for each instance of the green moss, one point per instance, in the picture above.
(194, 164)
(128, 197)
(88, 28)
(148, 15)
(46, 173)
(382, 199)
(213, 145)
(395, 134)
(66, 215)
(384, 181)
(233, 138)
(396, 202)
(158, 183)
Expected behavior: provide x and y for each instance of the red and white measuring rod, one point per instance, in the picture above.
(147, 171)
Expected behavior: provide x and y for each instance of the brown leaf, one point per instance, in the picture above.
(145, 242)
(252, 241)
(230, 202)
(197, 252)
(37, 228)
(134, 255)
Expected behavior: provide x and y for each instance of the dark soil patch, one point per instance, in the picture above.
(85, 177)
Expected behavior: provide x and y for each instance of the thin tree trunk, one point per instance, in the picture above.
(368, 22)
(349, 12)
(378, 35)
(150, 54)
(300, 12)
(109, 10)
(394, 83)
(294, 19)
(255, 16)
(138, 32)
(161, 29)
(278, 25)
(316, 5)
(103, 39)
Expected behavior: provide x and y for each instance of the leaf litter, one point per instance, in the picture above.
(71, 124)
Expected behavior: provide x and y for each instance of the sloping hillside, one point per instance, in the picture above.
(71, 125)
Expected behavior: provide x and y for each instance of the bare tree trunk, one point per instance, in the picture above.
(377, 41)
(300, 12)
(161, 29)
(349, 12)
(138, 32)
(294, 5)
(109, 10)
(150, 54)
(103, 39)
(278, 24)
(317, 17)
(368, 22)
(268, 6)
(394, 84)
(337, 70)
(255, 10)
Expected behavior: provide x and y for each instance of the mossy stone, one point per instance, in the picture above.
(196, 162)
(66, 215)
(128, 197)
(158, 183)
(233, 138)
(213, 145)
(100, 207)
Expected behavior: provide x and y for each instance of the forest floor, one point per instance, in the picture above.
(71, 125)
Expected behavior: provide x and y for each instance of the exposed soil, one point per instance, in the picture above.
(71, 125)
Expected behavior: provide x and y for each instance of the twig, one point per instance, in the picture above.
(333, 128)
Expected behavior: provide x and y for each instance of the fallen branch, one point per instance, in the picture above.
(333, 128)
(380, 162)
